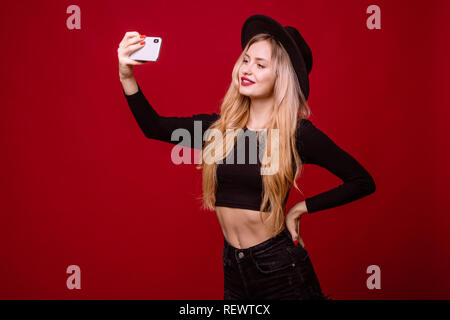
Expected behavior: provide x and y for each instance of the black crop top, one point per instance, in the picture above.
(240, 185)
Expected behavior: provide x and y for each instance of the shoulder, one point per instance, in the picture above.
(305, 125)
(305, 130)
(309, 139)
(208, 117)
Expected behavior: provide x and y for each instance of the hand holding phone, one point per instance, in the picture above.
(150, 51)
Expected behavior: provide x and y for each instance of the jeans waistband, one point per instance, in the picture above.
(284, 235)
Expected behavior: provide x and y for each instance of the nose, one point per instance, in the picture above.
(246, 74)
(245, 70)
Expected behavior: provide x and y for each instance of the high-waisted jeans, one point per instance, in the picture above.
(274, 269)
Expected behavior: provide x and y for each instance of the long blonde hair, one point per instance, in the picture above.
(289, 105)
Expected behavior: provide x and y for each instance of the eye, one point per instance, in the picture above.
(259, 65)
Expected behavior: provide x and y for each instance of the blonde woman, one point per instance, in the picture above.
(263, 255)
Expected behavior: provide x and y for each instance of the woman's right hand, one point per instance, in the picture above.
(130, 43)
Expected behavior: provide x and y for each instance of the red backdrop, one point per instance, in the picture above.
(82, 185)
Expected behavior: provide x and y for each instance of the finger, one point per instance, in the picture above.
(292, 233)
(130, 34)
(301, 241)
(130, 38)
(135, 40)
(127, 36)
(294, 237)
(130, 49)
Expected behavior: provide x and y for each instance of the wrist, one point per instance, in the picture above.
(301, 208)
(125, 78)
(297, 210)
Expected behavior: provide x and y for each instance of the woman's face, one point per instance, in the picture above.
(259, 71)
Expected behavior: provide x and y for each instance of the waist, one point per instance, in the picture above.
(243, 228)
(278, 242)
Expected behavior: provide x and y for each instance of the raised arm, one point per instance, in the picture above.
(315, 147)
(155, 126)
(151, 123)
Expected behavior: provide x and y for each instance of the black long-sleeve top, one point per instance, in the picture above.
(240, 185)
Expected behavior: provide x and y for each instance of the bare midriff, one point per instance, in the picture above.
(242, 228)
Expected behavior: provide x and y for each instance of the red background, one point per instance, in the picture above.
(82, 185)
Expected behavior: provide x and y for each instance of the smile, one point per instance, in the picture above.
(246, 83)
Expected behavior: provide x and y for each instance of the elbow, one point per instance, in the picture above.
(371, 187)
(147, 134)
(367, 186)
(150, 132)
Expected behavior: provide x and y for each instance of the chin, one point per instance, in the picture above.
(245, 94)
(244, 90)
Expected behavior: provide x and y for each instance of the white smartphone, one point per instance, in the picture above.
(150, 51)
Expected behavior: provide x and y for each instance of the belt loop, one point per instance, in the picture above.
(226, 247)
(288, 234)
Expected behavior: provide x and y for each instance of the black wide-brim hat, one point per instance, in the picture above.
(289, 37)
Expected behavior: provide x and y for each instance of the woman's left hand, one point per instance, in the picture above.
(293, 221)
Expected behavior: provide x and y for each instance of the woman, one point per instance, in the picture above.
(263, 255)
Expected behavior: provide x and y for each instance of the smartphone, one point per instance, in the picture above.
(150, 51)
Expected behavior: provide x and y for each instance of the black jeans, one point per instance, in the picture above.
(274, 269)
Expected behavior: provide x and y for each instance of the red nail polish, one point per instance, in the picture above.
(295, 242)
(142, 36)
(143, 42)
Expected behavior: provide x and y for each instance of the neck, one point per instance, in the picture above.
(260, 112)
